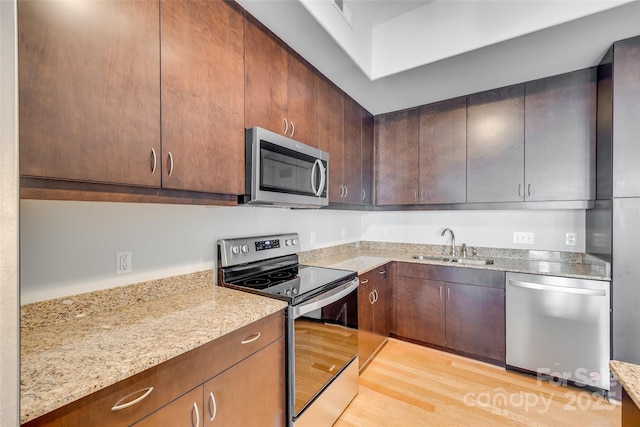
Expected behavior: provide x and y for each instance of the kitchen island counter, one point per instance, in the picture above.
(74, 346)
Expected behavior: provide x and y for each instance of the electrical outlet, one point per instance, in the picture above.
(344, 234)
(312, 238)
(570, 239)
(522, 238)
(383, 232)
(124, 262)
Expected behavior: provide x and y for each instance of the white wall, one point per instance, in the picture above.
(478, 228)
(69, 247)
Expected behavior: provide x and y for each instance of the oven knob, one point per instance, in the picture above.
(245, 249)
(294, 242)
(287, 242)
(235, 249)
(295, 291)
(288, 292)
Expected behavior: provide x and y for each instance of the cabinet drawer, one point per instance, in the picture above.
(470, 276)
(143, 393)
(376, 275)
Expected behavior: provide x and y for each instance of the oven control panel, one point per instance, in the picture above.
(252, 249)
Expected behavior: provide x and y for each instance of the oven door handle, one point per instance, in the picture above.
(325, 299)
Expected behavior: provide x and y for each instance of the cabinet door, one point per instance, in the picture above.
(266, 68)
(186, 411)
(443, 152)
(250, 393)
(396, 141)
(475, 320)
(626, 111)
(365, 320)
(330, 134)
(302, 84)
(420, 310)
(381, 308)
(367, 158)
(352, 151)
(560, 132)
(89, 102)
(495, 145)
(203, 96)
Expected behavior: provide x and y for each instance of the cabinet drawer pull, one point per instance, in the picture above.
(153, 160)
(382, 272)
(364, 282)
(440, 292)
(286, 127)
(293, 130)
(120, 405)
(364, 194)
(170, 163)
(213, 407)
(251, 338)
(529, 189)
(449, 294)
(346, 191)
(375, 296)
(195, 409)
(519, 187)
(371, 301)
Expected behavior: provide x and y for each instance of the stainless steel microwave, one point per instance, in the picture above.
(282, 172)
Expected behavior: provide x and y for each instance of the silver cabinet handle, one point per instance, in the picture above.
(293, 130)
(364, 194)
(251, 338)
(554, 288)
(415, 195)
(341, 190)
(364, 282)
(449, 294)
(519, 187)
(286, 127)
(529, 189)
(371, 297)
(170, 163)
(153, 160)
(195, 408)
(421, 194)
(382, 272)
(119, 405)
(440, 292)
(346, 191)
(376, 295)
(213, 407)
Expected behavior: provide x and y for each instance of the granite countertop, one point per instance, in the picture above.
(74, 346)
(365, 256)
(629, 376)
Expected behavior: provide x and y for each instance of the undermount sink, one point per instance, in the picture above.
(471, 261)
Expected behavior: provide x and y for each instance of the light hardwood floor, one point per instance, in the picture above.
(410, 385)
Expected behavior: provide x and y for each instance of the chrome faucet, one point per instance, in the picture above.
(453, 240)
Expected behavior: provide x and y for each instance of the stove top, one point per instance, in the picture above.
(268, 265)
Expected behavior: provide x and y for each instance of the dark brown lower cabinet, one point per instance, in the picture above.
(373, 313)
(466, 318)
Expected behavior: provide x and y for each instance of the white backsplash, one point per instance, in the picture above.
(68, 248)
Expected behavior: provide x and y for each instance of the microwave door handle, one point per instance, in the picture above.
(323, 177)
(314, 170)
(325, 299)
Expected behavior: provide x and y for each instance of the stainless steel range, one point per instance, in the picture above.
(322, 321)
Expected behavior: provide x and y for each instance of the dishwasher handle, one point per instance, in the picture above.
(554, 288)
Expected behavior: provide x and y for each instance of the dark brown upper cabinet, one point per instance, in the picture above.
(331, 134)
(495, 145)
(396, 157)
(618, 123)
(367, 158)
(443, 152)
(89, 98)
(352, 166)
(560, 137)
(203, 96)
(281, 89)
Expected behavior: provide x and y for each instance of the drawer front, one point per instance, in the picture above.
(376, 275)
(174, 377)
(466, 275)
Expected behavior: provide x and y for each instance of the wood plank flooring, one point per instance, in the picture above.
(410, 385)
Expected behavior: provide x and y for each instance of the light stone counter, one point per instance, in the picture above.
(629, 376)
(74, 346)
(365, 256)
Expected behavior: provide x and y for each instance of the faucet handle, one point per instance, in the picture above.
(474, 251)
(464, 250)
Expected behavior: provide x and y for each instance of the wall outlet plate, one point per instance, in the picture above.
(124, 262)
(383, 232)
(312, 238)
(523, 238)
(571, 239)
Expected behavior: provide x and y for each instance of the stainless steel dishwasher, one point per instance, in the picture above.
(559, 328)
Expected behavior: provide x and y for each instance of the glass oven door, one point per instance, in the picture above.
(324, 342)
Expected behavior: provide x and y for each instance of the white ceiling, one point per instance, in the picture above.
(401, 54)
